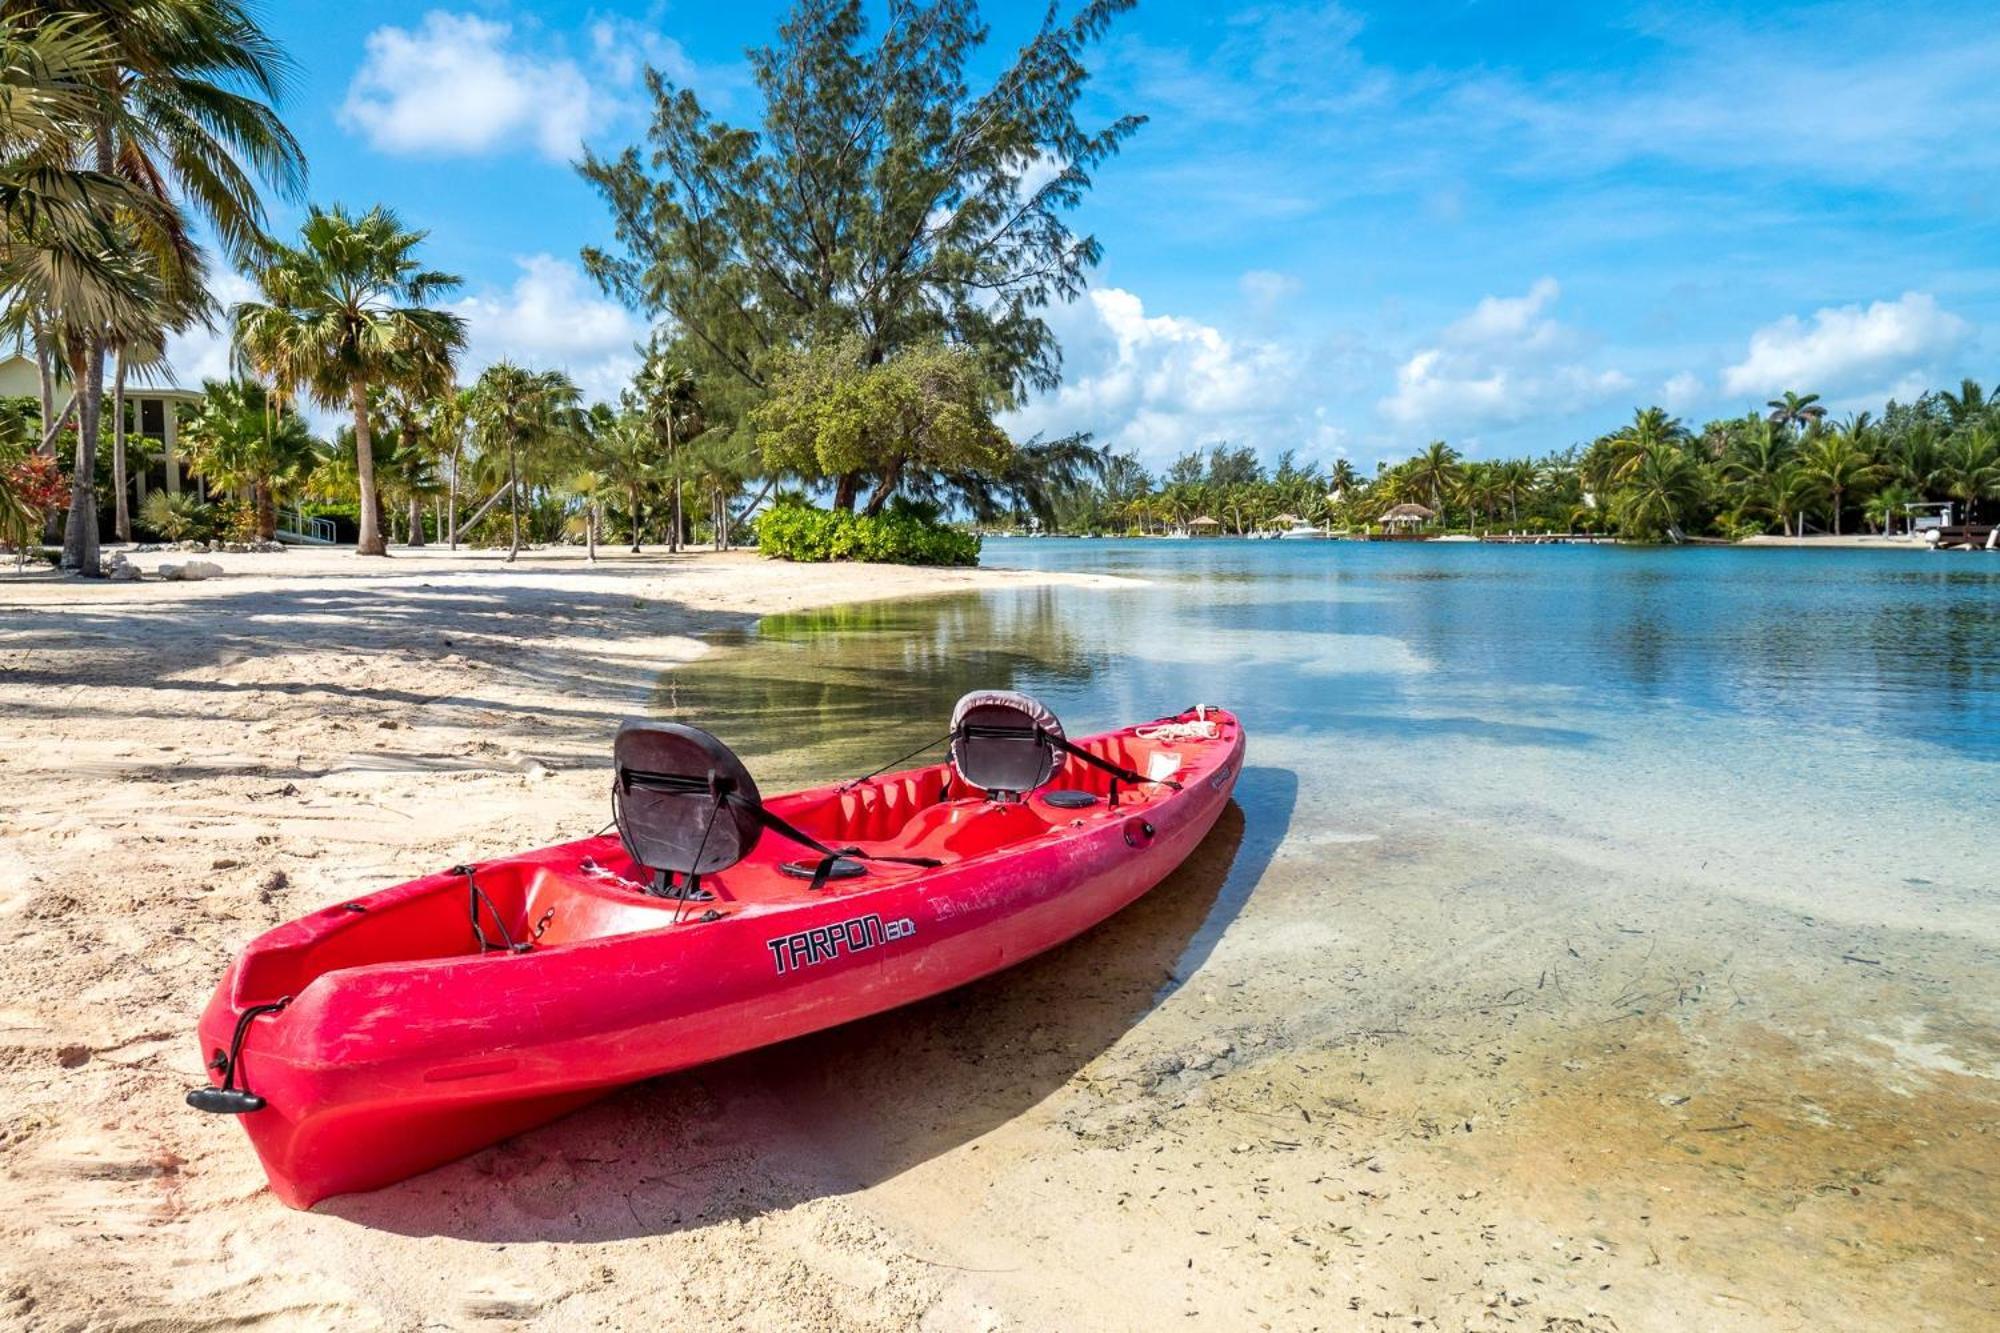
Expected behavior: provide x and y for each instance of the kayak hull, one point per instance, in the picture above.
(380, 1067)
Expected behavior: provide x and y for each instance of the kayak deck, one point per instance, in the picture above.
(591, 889)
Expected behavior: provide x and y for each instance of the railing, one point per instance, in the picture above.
(294, 526)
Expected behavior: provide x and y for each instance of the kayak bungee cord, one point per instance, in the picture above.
(852, 783)
(477, 895)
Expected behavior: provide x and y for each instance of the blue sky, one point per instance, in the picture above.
(1345, 229)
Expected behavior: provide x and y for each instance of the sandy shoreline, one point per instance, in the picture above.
(187, 764)
(1422, 1078)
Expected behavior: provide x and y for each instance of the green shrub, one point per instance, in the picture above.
(900, 537)
(182, 517)
(175, 516)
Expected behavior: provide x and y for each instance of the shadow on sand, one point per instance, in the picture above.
(843, 1109)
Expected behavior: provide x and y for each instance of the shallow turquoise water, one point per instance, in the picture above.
(1824, 724)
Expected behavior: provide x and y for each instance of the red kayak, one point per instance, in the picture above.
(378, 1038)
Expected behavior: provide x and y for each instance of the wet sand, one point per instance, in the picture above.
(1336, 1073)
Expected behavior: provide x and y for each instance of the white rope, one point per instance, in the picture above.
(1199, 730)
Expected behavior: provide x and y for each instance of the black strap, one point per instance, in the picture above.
(828, 855)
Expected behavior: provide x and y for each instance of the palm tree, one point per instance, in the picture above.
(520, 411)
(1839, 462)
(237, 441)
(1438, 470)
(1787, 496)
(1885, 504)
(667, 395)
(718, 465)
(446, 421)
(1968, 467)
(1662, 488)
(1966, 407)
(182, 114)
(75, 241)
(1758, 453)
(1341, 478)
(628, 455)
(1796, 411)
(345, 311)
(1913, 454)
(1516, 482)
(1651, 431)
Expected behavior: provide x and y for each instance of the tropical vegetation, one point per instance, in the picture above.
(1785, 469)
(848, 296)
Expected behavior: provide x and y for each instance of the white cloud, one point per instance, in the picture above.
(1505, 361)
(553, 318)
(458, 83)
(1264, 290)
(1845, 344)
(203, 354)
(1517, 320)
(1159, 385)
(1681, 391)
(623, 47)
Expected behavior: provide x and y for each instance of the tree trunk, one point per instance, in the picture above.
(845, 490)
(883, 489)
(506, 488)
(1836, 511)
(674, 477)
(80, 534)
(267, 511)
(755, 500)
(590, 529)
(51, 423)
(451, 495)
(80, 537)
(634, 491)
(371, 541)
(513, 501)
(122, 506)
(416, 519)
(45, 370)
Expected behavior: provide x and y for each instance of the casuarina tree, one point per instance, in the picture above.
(883, 198)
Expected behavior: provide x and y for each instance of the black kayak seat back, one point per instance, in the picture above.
(684, 802)
(1000, 742)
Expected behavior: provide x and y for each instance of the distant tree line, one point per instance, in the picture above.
(1785, 469)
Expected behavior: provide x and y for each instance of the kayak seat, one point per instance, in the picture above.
(1004, 742)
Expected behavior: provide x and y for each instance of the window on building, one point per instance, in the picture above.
(153, 418)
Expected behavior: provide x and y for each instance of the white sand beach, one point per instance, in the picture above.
(1448, 1102)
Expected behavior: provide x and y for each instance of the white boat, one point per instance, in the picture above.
(1301, 530)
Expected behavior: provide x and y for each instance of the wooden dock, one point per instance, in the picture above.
(1550, 539)
(1966, 537)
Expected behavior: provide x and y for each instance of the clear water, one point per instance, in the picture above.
(1807, 725)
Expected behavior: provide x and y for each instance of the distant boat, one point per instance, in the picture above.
(1301, 530)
